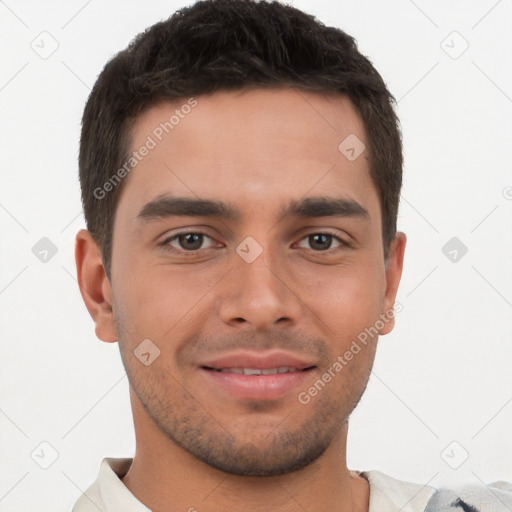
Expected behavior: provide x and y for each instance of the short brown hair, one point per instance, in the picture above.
(226, 45)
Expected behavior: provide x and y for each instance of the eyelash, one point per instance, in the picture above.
(166, 243)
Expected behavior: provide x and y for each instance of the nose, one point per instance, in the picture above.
(259, 295)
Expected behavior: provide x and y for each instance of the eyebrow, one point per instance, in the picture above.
(325, 207)
(168, 206)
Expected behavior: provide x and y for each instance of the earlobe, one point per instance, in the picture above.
(94, 285)
(393, 270)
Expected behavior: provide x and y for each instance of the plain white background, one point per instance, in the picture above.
(440, 396)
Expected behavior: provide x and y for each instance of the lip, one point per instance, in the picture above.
(273, 359)
(257, 387)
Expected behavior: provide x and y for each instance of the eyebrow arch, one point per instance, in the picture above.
(326, 207)
(166, 206)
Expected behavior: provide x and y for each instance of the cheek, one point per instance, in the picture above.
(347, 297)
(158, 300)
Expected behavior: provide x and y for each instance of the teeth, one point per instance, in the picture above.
(240, 371)
(257, 371)
(252, 371)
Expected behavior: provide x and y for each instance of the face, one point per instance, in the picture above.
(247, 252)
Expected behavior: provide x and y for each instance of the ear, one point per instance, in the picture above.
(94, 285)
(393, 270)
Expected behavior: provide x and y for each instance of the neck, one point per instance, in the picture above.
(166, 478)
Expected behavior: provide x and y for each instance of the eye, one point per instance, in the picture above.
(189, 241)
(321, 241)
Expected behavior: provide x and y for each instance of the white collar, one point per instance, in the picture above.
(115, 495)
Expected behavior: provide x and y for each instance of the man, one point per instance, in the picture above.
(241, 167)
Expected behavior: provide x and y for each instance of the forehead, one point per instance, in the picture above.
(262, 145)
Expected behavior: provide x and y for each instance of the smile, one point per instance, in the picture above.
(257, 376)
(257, 371)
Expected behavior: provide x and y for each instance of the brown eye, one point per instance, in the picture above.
(188, 242)
(321, 242)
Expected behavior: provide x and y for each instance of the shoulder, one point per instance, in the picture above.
(388, 494)
(495, 497)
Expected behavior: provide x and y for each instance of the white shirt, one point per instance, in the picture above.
(109, 494)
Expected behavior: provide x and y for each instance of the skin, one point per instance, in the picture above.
(256, 150)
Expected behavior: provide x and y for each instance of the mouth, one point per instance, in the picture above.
(260, 371)
(257, 377)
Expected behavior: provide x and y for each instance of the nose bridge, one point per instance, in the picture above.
(257, 291)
